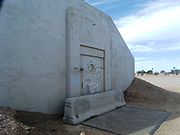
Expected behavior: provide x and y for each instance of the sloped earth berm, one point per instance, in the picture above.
(140, 93)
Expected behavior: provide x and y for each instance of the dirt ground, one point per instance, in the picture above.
(140, 93)
(166, 97)
(23, 123)
(168, 82)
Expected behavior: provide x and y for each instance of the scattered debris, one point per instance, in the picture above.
(9, 125)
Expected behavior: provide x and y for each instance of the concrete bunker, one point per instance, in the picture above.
(52, 51)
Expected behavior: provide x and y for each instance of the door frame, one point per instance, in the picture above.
(76, 22)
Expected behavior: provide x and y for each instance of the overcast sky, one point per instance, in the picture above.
(151, 29)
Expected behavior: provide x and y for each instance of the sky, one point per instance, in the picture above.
(150, 28)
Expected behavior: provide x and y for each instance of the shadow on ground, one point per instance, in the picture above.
(140, 94)
(143, 93)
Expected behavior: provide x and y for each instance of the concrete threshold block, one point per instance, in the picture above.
(79, 109)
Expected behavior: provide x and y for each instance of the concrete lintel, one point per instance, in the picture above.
(78, 109)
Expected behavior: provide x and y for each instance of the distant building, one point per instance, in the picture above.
(177, 71)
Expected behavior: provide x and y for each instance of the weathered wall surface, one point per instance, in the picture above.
(122, 61)
(33, 58)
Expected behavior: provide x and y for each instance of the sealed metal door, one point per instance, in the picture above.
(92, 74)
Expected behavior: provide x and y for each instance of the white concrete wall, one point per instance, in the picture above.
(122, 61)
(33, 59)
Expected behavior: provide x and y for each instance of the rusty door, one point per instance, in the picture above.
(92, 74)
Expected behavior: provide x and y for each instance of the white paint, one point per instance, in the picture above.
(40, 52)
(92, 70)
